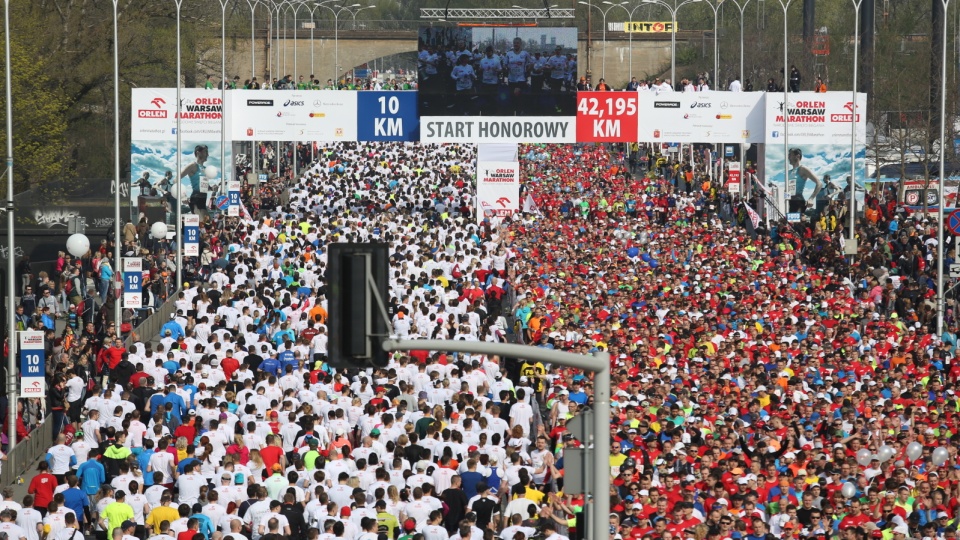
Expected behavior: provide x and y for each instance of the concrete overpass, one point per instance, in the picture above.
(379, 50)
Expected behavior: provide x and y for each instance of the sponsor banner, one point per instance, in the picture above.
(643, 27)
(699, 117)
(814, 118)
(153, 176)
(607, 116)
(268, 115)
(493, 129)
(917, 193)
(733, 177)
(191, 235)
(498, 189)
(132, 282)
(816, 173)
(387, 116)
(154, 114)
(32, 365)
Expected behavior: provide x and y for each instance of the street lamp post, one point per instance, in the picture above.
(223, 100)
(741, 5)
(716, 51)
(941, 298)
(179, 152)
(253, 36)
(852, 240)
(116, 167)
(673, 34)
(785, 4)
(336, 33)
(603, 13)
(354, 14)
(12, 342)
(630, 34)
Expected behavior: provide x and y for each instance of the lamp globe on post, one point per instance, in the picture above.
(78, 245)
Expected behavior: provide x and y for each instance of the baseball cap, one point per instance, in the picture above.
(409, 525)
(276, 467)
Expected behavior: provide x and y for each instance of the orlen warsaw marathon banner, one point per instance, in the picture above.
(153, 153)
(498, 181)
(818, 145)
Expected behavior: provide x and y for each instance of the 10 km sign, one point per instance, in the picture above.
(607, 116)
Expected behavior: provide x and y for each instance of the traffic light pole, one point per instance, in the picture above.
(598, 363)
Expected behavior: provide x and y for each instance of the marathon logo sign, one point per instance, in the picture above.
(538, 129)
(151, 113)
(805, 112)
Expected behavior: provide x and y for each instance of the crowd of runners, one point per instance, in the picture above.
(756, 396)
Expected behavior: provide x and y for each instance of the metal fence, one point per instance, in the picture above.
(24, 453)
(150, 327)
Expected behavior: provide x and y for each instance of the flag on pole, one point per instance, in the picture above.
(244, 213)
(529, 206)
(754, 216)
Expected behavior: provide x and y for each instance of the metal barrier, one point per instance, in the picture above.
(150, 327)
(24, 453)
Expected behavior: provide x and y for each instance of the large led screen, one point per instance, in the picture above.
(497, 71)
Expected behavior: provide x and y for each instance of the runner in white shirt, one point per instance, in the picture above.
(61, 458)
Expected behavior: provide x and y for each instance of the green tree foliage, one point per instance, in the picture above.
(40, 147)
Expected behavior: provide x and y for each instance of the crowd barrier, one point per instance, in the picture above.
(150, 327)
(24, 453)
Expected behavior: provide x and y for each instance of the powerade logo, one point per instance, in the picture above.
(666, 104)
(292, 103)
(696, 105)
(260, 103)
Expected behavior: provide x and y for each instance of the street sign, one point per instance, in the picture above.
(222, 202)
(32, 365)
(793, 217)
(233, 199)
(581, 426)
(387, 116)
(132, 282)
(953, 222)
(262, 177)
(955, 270)
(191, 235)
(577, 465)
(578, 462)
(607, 116)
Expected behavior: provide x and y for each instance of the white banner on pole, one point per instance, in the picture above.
(153, 112)
(701, 117)
(292, 116)
(498, 129)
(498, 189)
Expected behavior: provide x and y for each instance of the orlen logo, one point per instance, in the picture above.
(157, 102)
(292, 103)
(696, 105)
(845, 117)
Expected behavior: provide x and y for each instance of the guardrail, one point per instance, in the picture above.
(150, 327)
(24, 453)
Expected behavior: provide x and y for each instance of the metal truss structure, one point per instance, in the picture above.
(492, 13)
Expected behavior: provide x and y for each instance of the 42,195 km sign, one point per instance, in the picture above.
(607, 116)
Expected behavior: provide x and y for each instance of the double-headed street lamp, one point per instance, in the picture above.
(673, 34)
(716, 51)
(630, 13)
(603, 13)
(336, 32)
(741, 5)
